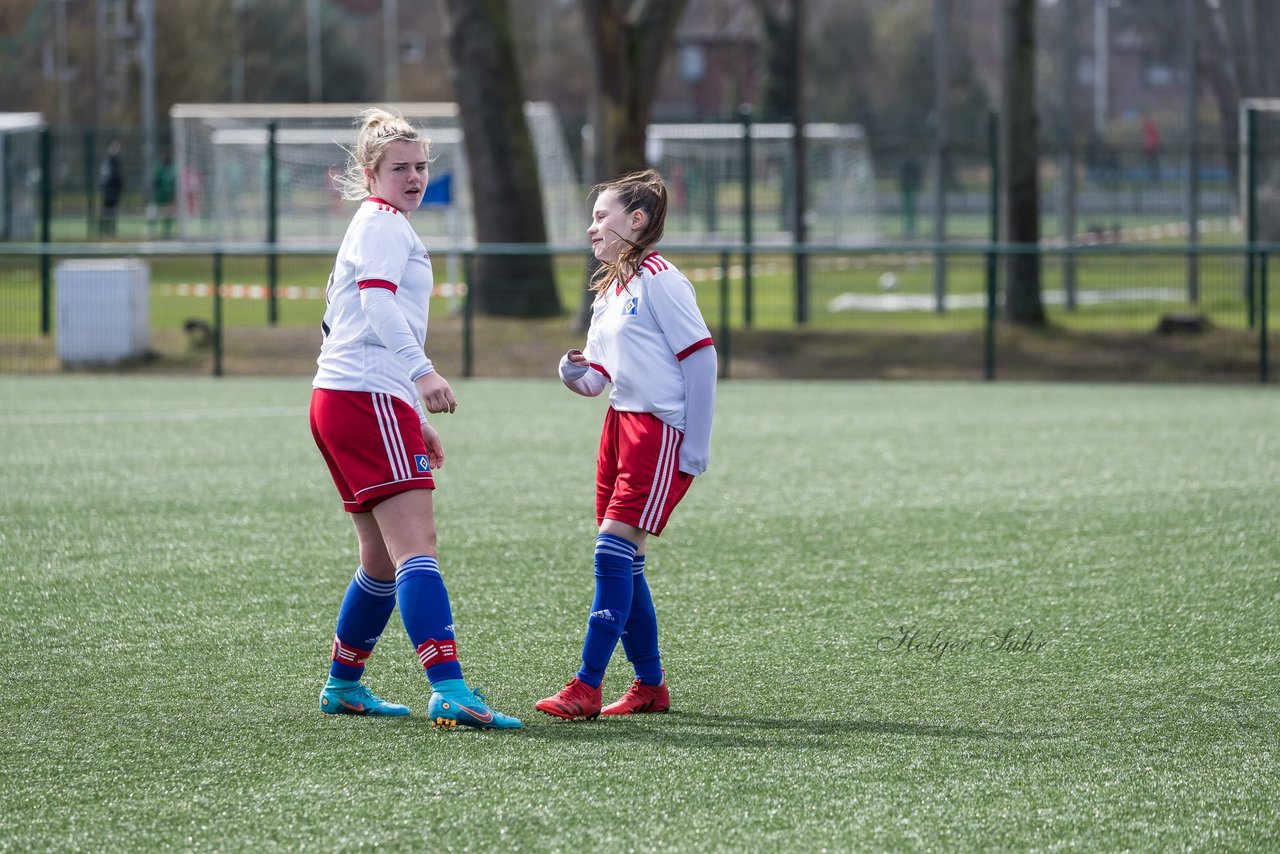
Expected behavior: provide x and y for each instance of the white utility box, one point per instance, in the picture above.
(104, 310)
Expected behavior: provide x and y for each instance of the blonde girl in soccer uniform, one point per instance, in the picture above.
(648, 341)
(373, 387)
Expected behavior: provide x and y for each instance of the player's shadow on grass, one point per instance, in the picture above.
(701, 728)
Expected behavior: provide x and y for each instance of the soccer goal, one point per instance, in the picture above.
(19, 174)
(704, 168)
(221, 156)
(1260, 168)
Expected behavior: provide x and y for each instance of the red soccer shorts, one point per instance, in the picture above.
(638, 480)
(373, 444)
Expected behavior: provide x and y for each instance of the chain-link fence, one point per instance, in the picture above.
(859, 190)
(1127, 312)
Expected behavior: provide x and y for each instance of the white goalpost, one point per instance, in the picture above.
(221, 158)
(19, 174)
(1260, 168)
(704, 165)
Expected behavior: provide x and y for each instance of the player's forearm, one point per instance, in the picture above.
(699, 369)
(581, 377)
(392, 329)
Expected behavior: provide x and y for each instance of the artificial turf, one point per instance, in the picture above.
(895, 616)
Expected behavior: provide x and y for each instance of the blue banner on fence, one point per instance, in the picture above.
(439, 191)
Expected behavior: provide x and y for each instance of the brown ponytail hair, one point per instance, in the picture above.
(644, 191)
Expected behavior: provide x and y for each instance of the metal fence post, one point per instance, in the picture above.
(6, 192)
(217, 314)
(748, 178)
(90, 184)
(46, 227)
(1068, 180)
(1264, 357)
(1250, 211)
(1192, 195)
(941, 153)
(800, 162)
(989, 324)
(273, 260)
(723, 347)
(468, 275)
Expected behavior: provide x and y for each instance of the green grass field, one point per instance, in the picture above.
(1117, 289)
(172, 557)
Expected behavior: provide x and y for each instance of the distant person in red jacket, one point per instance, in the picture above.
(1151, 146)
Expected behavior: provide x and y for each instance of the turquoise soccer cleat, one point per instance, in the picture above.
(357, 700)
(453, 704)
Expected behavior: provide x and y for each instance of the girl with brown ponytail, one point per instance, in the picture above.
(647, 338)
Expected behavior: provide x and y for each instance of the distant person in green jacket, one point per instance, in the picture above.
(164, 190)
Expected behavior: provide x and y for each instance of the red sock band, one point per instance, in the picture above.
(432, 652)
(344, 654)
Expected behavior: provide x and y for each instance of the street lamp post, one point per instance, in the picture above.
(237, 51)
(148, 9)
(941, 131)
(1101, 63)
(1068, 180)
(1193, 160)
(391, 48)
(314, 77)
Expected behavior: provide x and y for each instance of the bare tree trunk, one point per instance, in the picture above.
(1221, 75)
(1269, 35)
(630, 39)
(1235, 65)
(501, 161)
(1020, 153)
(780, 64)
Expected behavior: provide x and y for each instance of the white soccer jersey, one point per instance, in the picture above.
(639, 334)
(379, 246)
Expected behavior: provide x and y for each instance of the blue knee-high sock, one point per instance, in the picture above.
(640, 635)
(363, 615)
(610, 607)
(424, 607)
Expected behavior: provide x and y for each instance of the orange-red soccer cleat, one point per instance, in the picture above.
(641, 699)
(576, 700)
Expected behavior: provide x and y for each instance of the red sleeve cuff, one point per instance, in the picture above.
(376, 283)
(601, 369)
(693, 348)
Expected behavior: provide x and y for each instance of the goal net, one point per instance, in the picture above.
(704, 168)
(221, 156)
(19, 175)
(1260, 168)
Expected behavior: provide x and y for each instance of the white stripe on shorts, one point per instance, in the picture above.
(391, 439)
(661, 478)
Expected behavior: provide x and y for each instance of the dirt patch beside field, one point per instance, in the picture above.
(531, 348)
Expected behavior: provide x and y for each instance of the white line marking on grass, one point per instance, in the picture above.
(33, 419)
(927, 302)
